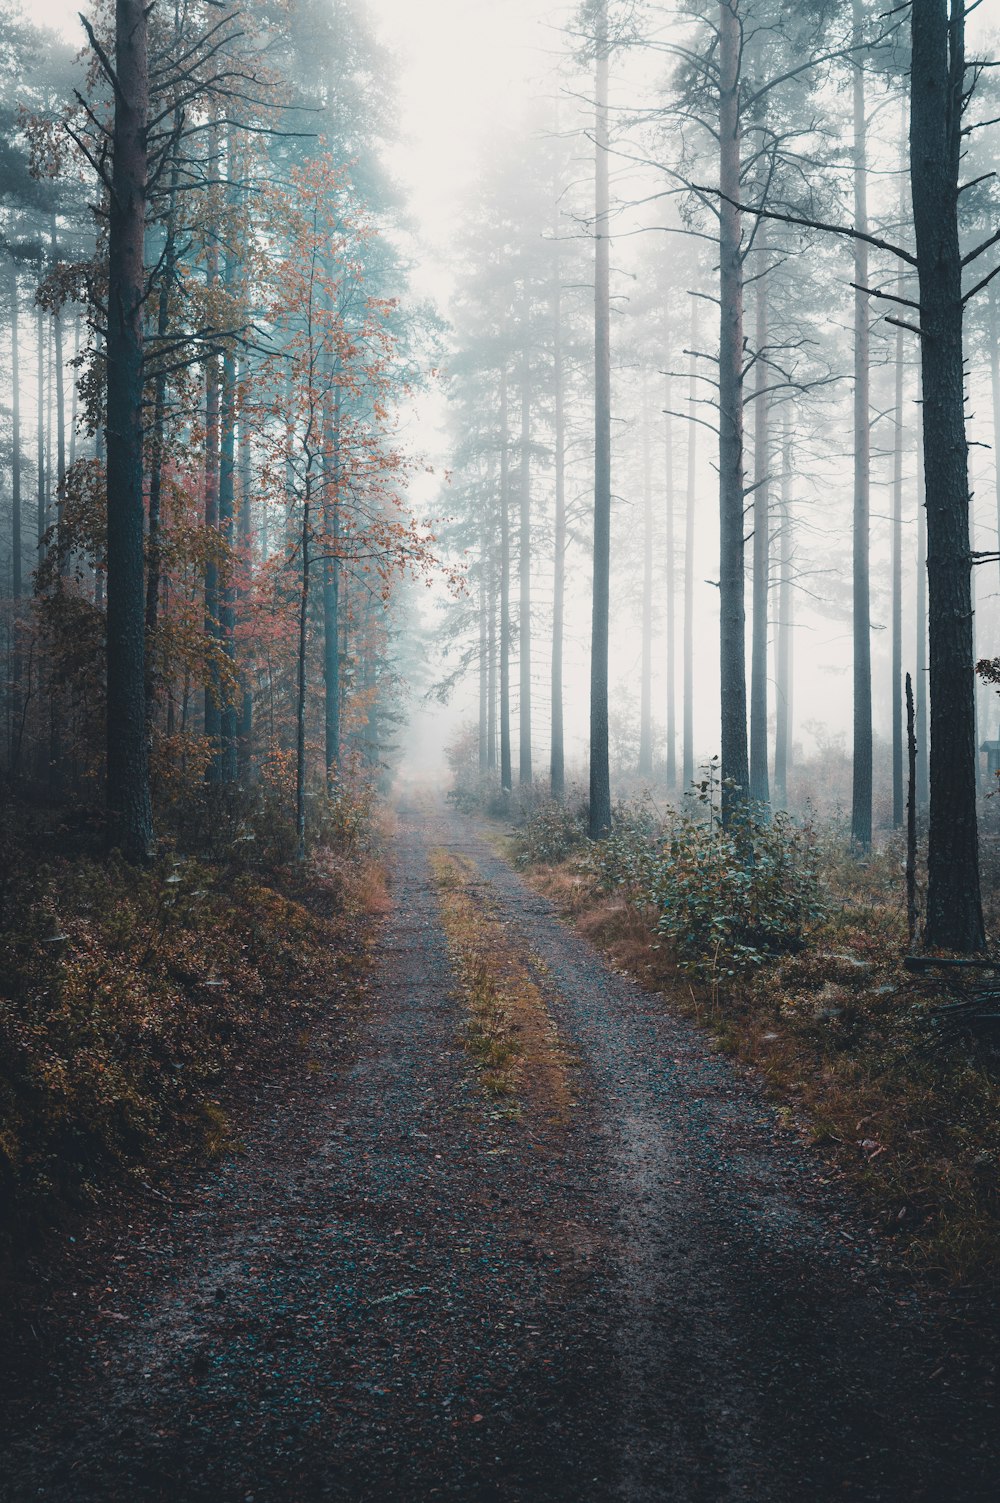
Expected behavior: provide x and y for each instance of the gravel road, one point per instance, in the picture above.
(393, 1290)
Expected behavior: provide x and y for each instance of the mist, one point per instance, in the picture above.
(499, 751)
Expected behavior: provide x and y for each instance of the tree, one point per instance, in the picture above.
(600, 772)
(128, 795)
(954, 918)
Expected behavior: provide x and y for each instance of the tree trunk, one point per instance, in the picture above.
(129, 806)
(156, 447)
(923, 682)
(600, 771)
(732, 608)
(954, 918)
(491, 644)
(506, 773)
(897, 592)
(60, 414)
(687, 773)
(229, 712)
(245, 550)
(524, 569)
(759, 786)
(331, 589)
(671, 593)
(213, 705)
(645, 768)
(482, 606)
(17, 587)
(783, 691)
(861, 799)
(41, 521)
(300, 694)
(557, 759)
(994, 343)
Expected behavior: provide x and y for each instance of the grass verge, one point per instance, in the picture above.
(510, 1034)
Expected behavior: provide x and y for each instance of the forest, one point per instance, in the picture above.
(500, 635)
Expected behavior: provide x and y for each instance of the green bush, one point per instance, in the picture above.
(728, 897)
(723, 897)
(551, 829)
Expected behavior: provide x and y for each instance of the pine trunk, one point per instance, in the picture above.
(759, 785)
(524, 570)
(645, 767)
(506, 771)
(129, 806)
(954, 918)
(896, 684)
(600, 771)
(331, 588)
(732, 586)
(557, 757)
(687, 772)
(17, 586)
(783, 688)
(861, 797)
(671, 593)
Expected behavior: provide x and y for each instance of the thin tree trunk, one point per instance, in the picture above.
(557, 768)
(229, 713)
(156, 447)
(74, 404)
(783, 695)
(491, 650)
(759, 786)
(524, 568)
(213, 706)
(62, 542)
(600, 772)
(129, 805)
(331, 588)
(954, 917)
(732, 585)
(911, 822)
(482, 607)
(300, 694)
(861, 799)
(645, 768)
(506, 773)
(671, 594)
(41, 520)
(17, 562)
(923, 682)
(897, 592)
(687, 773)
(994, 343)
(244, 544)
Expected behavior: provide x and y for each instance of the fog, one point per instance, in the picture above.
(488, 142)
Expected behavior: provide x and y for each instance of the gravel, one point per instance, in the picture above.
(394, 1290)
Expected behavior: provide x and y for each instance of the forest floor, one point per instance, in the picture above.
(524, 1234)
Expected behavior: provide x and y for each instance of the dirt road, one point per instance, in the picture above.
(397, 1290)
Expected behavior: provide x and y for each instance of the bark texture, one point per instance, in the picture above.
(954, 919)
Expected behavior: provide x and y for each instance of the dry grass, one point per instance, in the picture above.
(510, 1033)
(841, 1034)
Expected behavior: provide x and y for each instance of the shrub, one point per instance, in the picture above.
(723, 897)
(551, 829)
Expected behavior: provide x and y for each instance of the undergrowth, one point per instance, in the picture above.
(132, 1002)
(789, 950)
